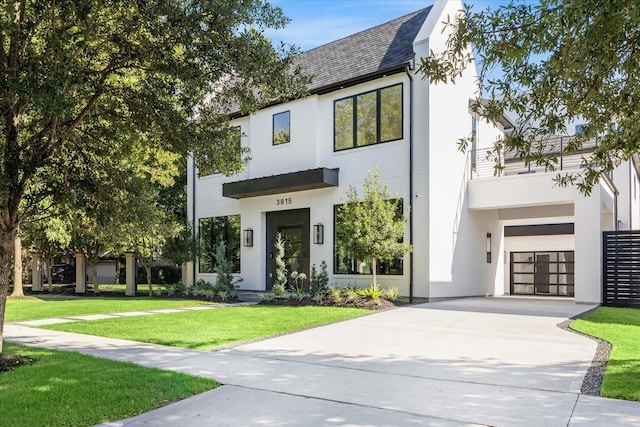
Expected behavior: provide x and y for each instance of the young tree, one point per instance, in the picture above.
(80, 81)
(550, 63)
(371, 227)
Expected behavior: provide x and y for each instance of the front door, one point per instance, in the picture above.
(293, 227)
(541, 277)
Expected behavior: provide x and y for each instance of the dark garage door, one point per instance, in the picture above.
(542, 273)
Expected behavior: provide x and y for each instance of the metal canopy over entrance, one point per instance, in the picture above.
(284, 183)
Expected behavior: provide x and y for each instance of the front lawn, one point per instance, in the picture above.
(71, 389)
(44, 308)
(621, 328)
(207, 329)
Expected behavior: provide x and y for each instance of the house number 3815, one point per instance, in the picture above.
(284, 201)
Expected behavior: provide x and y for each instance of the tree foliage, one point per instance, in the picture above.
(371, 226)
(85, 81)
(551, 63)
(49, 234)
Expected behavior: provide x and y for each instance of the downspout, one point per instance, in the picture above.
(630, 194)
(407, 70)
(193, 217)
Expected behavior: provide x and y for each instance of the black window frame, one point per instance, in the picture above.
(273, 128)
(383, 268)
(233, 245)
(354, 115)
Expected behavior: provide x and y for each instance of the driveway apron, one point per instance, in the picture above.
(482, 361)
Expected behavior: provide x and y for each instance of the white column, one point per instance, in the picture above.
(81, 273)
(130, 269)
(36, 272)
(588, 248)
(187, 273)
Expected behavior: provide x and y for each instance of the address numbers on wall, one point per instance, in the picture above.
(284, 201)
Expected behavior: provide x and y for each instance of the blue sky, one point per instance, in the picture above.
(316, 22)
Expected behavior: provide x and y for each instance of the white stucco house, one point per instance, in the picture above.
(472, 233)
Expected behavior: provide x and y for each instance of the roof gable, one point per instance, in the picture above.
(369, 53)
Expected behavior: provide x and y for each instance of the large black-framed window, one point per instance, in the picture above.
(211, 231)
(282, 128)
(345, 263)
(368, 118)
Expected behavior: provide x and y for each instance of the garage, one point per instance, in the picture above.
(542, 273)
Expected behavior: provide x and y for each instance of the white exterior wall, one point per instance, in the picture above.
(531, 244)
(534, 199)
(311, 146)
(441, 176)
(452, 214)
(626, 181)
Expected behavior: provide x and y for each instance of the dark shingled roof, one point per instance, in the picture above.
(364, 55)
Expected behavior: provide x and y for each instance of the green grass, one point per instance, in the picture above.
(204, 330)
(41, 308)
(620, 327)
(70, 389)
(143, 288)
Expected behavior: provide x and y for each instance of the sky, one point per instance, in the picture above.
(316, 22)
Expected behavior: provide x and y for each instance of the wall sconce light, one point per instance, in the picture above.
(488, 248)
(318, 234)
(248, 238)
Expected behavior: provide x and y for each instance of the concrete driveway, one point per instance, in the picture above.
(473, 361)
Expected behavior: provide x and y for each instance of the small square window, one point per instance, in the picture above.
(281, 128)
(581, 128)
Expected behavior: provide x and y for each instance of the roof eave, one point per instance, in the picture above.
(323, 90)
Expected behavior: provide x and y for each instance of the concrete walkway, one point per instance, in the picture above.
(474, 361)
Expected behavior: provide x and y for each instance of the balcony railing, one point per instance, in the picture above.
(483, 161)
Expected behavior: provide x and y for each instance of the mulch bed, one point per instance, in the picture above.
(9, 362)
(379, 304)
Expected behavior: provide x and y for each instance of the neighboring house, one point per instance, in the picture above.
(368, 108)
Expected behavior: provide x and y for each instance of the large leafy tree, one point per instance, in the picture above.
(81, 80)
(370, 226)
(550, 63)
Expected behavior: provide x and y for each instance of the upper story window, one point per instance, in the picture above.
(281, 128)
(581, 128)
(369, 118)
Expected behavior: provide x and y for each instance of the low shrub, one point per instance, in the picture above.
(392, 293)
(373, 292)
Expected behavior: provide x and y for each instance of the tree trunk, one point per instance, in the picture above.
(147, 267)
(374, 267)
(6, 253)
(18, 291)
(116, 279)
(50, 273)
(94, 276)
(93, 261)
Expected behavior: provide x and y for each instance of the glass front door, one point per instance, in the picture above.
(293, 227)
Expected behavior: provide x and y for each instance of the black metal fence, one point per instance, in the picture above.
(621, 268)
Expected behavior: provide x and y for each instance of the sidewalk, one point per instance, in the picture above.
(68, 319)
(467, 362)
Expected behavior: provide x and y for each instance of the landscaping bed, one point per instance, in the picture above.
(360, 302)
(9, 362)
